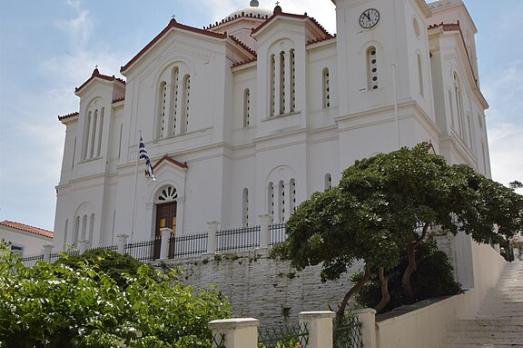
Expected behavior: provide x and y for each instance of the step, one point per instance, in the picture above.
(474, 345)
(485, 340)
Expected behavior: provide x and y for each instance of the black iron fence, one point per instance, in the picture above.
(348, 334)
(144, 251)
(296, 335)
(238, 239)
(218, 341)
(277, 233)
(186, 246)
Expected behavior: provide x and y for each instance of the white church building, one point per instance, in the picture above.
(251, 115)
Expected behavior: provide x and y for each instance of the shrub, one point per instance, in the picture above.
(74, 303)
(434, 278)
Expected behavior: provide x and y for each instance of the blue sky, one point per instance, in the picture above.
(49, 47)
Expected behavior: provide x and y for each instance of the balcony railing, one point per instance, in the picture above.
(170, 247)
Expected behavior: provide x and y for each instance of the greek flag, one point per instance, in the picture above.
(149, 171)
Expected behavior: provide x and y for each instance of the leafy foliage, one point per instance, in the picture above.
(73, 303)
(386, 206)
(434, 278)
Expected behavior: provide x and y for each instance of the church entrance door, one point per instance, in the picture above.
(165, 218)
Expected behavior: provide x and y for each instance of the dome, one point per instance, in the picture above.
(254, 10)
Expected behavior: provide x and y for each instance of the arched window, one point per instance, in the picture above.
(186, 102)
(281, 201)
(326, 88)
(83, 234)
(452, 114)
(92, 136)
(372, 68)
(162, 110)
(91, 230)
(175, 80)
(292, 55)
(282, 83)
(270, 200)
(245, 207)
(328, 181)
(74, 153)
(459, 105)
(246, 108)
(167, 194)
(420, 75)
(66, 232)
(100, 133)
(273, 84)
(292, 196)
(76, 231)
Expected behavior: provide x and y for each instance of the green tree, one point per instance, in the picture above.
(79, 305)
(389, 205)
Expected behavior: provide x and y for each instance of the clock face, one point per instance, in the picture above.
(370, 18)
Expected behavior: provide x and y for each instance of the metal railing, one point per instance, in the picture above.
(218, 341)
(185, 246)
(144, 251)
(271, 337)
(277, 233)
(244, 238)
(239, 239)
(348, 335)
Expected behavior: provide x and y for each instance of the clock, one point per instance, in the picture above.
(370, 18)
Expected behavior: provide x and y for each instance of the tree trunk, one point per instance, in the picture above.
(357, 287)
(385, 295)
(409, 271)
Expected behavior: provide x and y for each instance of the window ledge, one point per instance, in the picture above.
(275, 117)
(90, 160)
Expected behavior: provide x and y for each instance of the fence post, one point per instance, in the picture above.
(320, 328)
(367, 318)
(121, 241)
(265, 221)
(164, 247)
(46, 251)
(82, 246)
(239, 333)
(211, 241)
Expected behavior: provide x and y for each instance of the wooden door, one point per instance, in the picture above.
(165, 218)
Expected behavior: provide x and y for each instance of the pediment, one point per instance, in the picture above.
(168, 160)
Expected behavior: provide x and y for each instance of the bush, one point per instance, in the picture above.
(75, 303)
(434, 278)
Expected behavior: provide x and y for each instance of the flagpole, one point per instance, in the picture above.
(134, 189)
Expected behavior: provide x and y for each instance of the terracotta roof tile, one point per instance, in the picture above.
(71, 115)
(27, 228)
(172, 24)
(96, 74)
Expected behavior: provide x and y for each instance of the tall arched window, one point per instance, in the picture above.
(246, 108)
(292, 58)
(86, 135)
(270, 200)
(452, 114)
(175, 80)
(372, 68)
(281, 201)
(92, 136)
(83, 234)
(66, 232)
(162, 110)
(76, 231)
(292, 196)
(273, 84)
(91, 230)
(420, 76)
(100, 133)
(282, 83)
(328, 182)
(186, 102)
(245, 207)
(326, 88)
(459, 105)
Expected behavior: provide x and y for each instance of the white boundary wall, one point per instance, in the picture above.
(427, 327)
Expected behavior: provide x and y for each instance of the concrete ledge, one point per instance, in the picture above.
(317, 315)
(233, 324)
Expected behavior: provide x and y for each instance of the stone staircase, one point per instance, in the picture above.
(499, 324)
